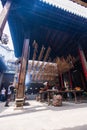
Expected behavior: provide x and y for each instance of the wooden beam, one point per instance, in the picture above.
(22, 74)
(39, 59)
(35, 46)
(4, 15)
(45, 58)
(80, 2)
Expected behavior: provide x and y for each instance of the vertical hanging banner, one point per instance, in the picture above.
(83, 61)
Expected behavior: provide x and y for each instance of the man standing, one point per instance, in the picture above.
(57, 86)
(44, 90)
(3, 94)
(8, 96)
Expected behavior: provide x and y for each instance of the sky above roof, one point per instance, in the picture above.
(69, 6)
(7, 31)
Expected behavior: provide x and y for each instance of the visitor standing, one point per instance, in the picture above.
(8, 97)
(3, 94)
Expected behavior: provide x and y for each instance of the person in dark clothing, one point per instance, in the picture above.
(8, 96)
(46, 87)
(57, 86)
(3, 94)
(12, 88)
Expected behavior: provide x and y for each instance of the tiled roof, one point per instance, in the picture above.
(69, 6)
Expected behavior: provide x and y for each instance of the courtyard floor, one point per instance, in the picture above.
(40, 116)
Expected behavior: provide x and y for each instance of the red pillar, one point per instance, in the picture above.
(83, 62)
(4, 15)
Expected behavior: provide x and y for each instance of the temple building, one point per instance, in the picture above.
(50, 40)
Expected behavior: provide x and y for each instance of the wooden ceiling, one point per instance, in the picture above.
(48, 25)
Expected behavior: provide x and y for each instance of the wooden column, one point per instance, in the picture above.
(22, 74)
(70, 79)
(4, 15)
(1, 77)
(61, 79)
(83, 82)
